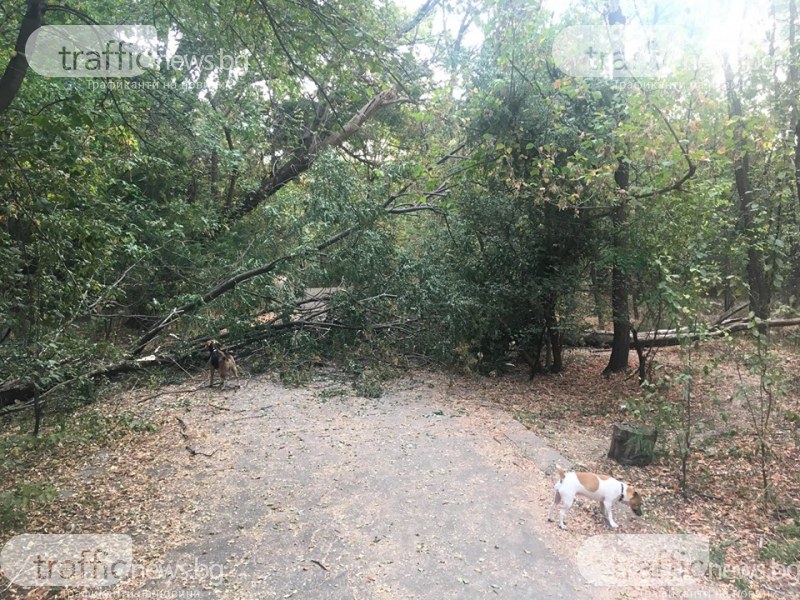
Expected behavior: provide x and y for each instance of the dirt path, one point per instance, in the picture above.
(316, 494)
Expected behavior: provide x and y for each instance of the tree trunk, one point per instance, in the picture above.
(794, 89)
(557, 348)
(15, 71)
(619, 298)
(37, 411)
(304, 157)
(759, 287)
(597, 294)
(671, 337)
(619, 279)
(551, 322)
(793, 83)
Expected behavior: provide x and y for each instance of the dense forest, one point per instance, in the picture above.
(478, 186)
(459, 192)
(474, 182)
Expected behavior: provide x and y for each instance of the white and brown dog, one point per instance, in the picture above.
(597, 487)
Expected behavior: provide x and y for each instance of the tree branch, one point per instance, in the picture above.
(303, 159)
(231, 283)
(420, 15)
(691, 168)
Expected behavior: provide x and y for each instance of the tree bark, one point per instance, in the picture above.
(597, 295)
(17, 67)
(304, 157)
(619, 292)
(664, 338)
(618, 360)
(794, 89)
(794, 127)
(551, 323)
(759, 287)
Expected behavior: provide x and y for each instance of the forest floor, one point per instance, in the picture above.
(754, 544)
(438, 489)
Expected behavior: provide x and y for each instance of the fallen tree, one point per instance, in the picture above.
(20, 395)
(24, 390)
(302, 159)
(390, 206)
(673, 337)
(16, 395)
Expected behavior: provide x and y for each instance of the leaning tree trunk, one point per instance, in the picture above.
(16, 68)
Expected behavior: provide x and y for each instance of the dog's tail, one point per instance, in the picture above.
(561, 472)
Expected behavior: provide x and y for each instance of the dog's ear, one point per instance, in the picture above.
(636, 503)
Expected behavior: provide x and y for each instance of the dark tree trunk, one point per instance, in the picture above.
(758, 283)
(191, 189)
(622, 329)
(551, 322)
(640, 353)
(794, 89)
(597, 294)
(793, 283)
(619, 279)
(15, 71)
(619, 291)
(214, 167)
(37, 411)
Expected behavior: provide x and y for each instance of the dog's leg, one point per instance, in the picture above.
(211, 371)
(223, 371)
(556, 502)
(566, 504)
(607, 513)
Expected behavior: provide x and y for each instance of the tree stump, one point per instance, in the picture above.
(633, 445)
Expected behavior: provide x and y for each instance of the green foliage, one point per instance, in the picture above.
(135, 424)
(128, 211)
(118, 205)
(787, 549)
(368, 386)
(14, 504)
